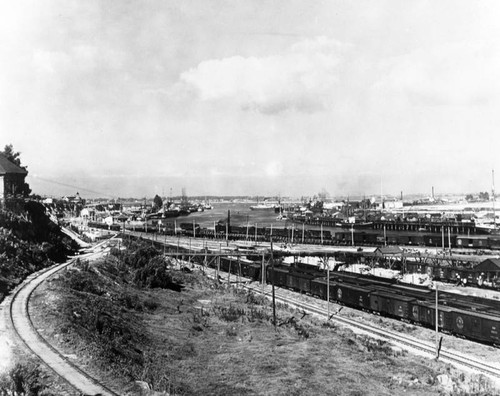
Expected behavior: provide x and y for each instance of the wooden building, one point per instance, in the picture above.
(11, 180)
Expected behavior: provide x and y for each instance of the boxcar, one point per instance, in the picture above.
(356, 296)
(391, 304)
(319, 288)
(480, 242)
(464, 241)
(359, 237)
(371, 238)
(427, 315)
(343, 237)
(416, 240)
(393, 240)
(279, 275)
(299, 281)
(433, 240)
(403, 240)
(250, 269)
(476, 325)
(494, 242)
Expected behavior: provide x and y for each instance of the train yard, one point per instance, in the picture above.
(458, 317)
(398, 339)
(247, 265)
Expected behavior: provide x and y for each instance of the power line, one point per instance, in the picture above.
(78, 188)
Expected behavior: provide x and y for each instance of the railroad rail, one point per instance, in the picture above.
(23, 327)
(404, 341)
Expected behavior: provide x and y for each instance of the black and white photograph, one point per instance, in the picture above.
(249, 197)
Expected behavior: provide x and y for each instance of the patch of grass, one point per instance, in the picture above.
(24, 379)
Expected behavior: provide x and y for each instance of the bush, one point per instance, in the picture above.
(151, 304)
(83, 281)
(155, 274)
(23, 379)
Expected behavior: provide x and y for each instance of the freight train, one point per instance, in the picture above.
(324, 237)
(474, 318)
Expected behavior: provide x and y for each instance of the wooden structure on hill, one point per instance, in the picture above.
(11, 180)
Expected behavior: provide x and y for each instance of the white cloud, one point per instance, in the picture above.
(302, 79)
(466, 73)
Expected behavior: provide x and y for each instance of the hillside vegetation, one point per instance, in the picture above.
(148, 327)
(29, 241)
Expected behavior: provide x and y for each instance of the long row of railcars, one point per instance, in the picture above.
(418, 239)
(478, 321)
(471, 317)
(325, 237)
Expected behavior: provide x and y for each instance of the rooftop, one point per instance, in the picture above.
(7, 167)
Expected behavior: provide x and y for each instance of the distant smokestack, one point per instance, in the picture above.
(401, 195)
(432, 192)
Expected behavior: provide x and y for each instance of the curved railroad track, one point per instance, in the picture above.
(23, 327)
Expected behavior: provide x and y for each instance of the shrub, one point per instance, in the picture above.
(151, 304)
(23, 379)
(155, 274)
(83, 281)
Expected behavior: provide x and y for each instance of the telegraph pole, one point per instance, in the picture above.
(328, 286)
(437, 323)
(274, 298)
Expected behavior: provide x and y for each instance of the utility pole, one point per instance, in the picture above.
(437, 324)
(328, 285)
(274, 298)
(442, 233)
(263, 272)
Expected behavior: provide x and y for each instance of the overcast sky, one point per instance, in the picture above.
(134, 98)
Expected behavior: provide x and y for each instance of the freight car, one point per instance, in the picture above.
(478, 322)
(241, 267)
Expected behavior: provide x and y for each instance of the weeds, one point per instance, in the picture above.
(229, 314)
(23, 379)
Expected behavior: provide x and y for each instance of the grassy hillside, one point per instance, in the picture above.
(29, 241)
(141, 324)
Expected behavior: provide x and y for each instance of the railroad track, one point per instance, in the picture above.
(445, 355)
(221, 244)
(406, 342)
(22, 325)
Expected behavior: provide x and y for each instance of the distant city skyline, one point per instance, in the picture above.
(251, 97)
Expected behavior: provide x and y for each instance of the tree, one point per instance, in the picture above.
(157, 202)
(484, 196)
(11, 155)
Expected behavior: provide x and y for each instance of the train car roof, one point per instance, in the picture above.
(432, 305)
(356, 287)
(384, 293)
